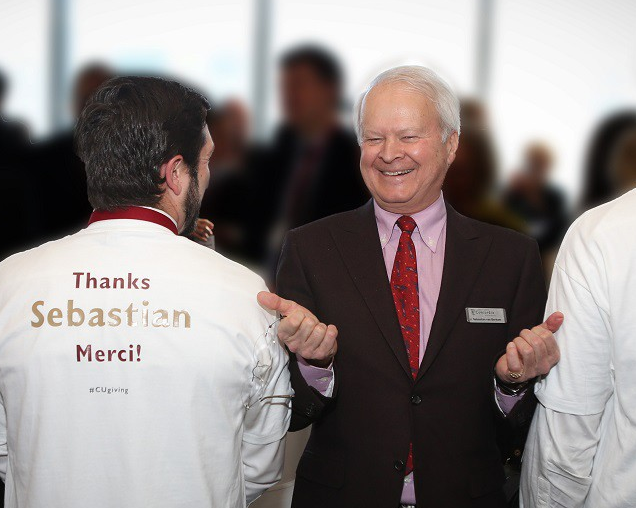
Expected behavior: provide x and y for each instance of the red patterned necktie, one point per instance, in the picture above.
(405, 291)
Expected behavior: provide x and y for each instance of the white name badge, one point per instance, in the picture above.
(485, 315)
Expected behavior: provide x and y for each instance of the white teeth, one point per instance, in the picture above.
(397, 173)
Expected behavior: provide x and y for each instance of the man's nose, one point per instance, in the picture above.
(391, 150)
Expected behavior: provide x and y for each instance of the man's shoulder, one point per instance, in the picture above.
(600, 233)
(499, 234)
(336, 221)
(28, 257)
(618, 213)
(206, 267)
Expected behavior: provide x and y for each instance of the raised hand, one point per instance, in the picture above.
(533, 353)
(301, 331)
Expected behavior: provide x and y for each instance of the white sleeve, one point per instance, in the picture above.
(558, 462)
(558, 459)
(267, 420)
(582, 381)
(262, 466)
(3, 441)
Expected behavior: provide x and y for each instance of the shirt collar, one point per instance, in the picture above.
(145, 214)
(162, 213)
(430, 223)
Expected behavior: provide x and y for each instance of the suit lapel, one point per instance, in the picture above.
(359, 245)
(465, 252)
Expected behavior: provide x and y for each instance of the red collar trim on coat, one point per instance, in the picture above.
(136, 213)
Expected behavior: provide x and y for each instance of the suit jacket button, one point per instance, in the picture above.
(399, 465)
(310, 410)
(416, 399)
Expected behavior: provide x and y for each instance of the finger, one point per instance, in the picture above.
(272, 301)
(201, 233)
(540, 351)
(526, 352)
(554, 322)
(206, 225)
(309, 343)
(549, 341)
(513, 359)
(546, 350)
(288, 327)
(327, 348)
(332, 332)
(309, 333)
(501, 367)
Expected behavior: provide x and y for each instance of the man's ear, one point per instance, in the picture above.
(173, 171)
(451, 147)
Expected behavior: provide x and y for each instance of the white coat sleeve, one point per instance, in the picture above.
(267, 420)
(558, 463)
(558, 459)
(3, 441)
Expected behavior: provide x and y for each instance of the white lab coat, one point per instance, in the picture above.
(154, 414)
(581, 450)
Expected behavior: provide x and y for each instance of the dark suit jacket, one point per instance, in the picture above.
(360, 437)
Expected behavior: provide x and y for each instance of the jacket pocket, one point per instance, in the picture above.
(320, 469)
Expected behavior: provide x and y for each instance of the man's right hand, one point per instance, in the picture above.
(301, 331)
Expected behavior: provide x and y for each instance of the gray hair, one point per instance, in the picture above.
(422, 80)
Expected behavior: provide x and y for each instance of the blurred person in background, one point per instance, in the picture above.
(470, 184)
(15, 147)
(541, 205)
(59, 175)
(311, 168)
(599, 185)
(14, 136)
(473, 114)
(229, 200)
(623, 163)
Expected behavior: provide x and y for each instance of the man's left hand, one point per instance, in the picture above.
(533, 353)
(203, 230)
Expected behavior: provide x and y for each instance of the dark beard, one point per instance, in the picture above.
(192, 207)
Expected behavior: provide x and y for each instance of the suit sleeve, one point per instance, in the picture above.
(527, 310)
(291, 283)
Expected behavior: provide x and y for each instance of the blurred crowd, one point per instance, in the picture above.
(309, 170)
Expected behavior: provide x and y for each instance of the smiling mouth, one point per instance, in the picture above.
(397, 173)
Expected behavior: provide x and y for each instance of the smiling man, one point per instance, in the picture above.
(431, 344)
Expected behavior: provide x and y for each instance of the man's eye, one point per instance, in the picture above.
(409, 138)
(373, 140)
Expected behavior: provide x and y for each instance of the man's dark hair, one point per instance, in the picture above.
(128, 129)
(325, 64)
